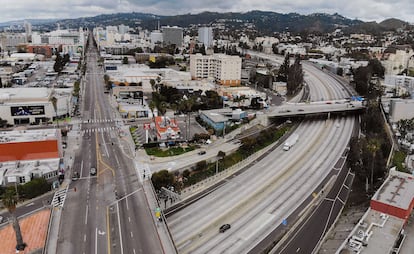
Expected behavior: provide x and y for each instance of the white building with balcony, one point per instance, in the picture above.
(225, 69)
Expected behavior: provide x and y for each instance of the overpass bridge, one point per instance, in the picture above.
(316, 108)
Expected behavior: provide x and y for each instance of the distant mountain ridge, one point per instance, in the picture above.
(265, 22)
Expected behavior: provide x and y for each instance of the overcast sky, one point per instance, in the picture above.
(366, 10)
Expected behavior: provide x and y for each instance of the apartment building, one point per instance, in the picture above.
(205, 36)
(224, 69)
(172, 35)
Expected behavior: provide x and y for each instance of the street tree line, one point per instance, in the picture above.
(368, 154)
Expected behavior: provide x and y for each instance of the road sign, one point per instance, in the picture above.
(147, 126)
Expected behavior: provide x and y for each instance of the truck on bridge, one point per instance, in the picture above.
(290, 141)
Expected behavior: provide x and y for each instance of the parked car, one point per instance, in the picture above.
(224, 228)
(201, 152)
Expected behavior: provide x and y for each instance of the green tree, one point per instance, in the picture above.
(201, 165)
(9, 199)
(59, 63)
(125, 60)
(162, 178)
(284, 69)
(295, 77)
(35, 187)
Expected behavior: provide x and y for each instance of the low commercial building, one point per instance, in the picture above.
(381, 229)
(139, 74)
(30, 145)
(128, 110)
(21, 172)
(33, 105)
(216, 118)
(28, 154)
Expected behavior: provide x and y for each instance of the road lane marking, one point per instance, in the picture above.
(106, 147)
(84, 237)
(30, 204)
(108, 236)
(126, 201)
(132, 235)
(81, 168)
(96, 241)
(129, 219)
(86, 215)
(119, 226)
(134, 251)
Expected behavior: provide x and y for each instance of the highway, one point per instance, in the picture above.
(302, 109)
(108, 213)
(257, 201)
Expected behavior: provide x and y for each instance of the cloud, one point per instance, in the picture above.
(367, 10)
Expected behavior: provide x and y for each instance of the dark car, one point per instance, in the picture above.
(202, 152)
(224, 228)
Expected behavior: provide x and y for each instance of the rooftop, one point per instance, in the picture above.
(24, 93)
(375, 233)
(12, 169)
(397, 190)
(28, 135)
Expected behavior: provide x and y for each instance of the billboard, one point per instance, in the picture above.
(131, 94)
(27, 110)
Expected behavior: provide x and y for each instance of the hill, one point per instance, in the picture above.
(264, 22)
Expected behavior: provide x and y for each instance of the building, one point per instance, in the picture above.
(28, 30)
(224, 69)
(172, 35)
(166, 128)
(70, 42)
(205, 36)
(123, 29)
(28, 154)
(216, 118)
(401, 109)
(400, 83)
(381, 229)
(397, 58)
(43, 49)
(156, 37)
(10, 41)
(33, 105)
(30, 145)
(142, 75)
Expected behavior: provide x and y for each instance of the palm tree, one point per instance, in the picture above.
(152, 107)
(9, 200)
(53, 100)
(152, 82)
(373, 146)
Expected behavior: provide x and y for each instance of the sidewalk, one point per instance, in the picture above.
(73, 143)
(162, 227)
